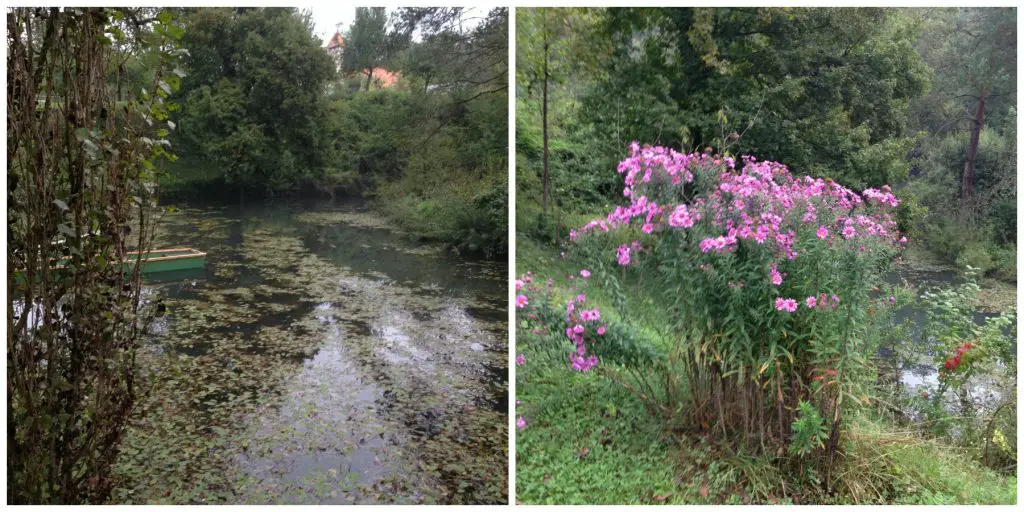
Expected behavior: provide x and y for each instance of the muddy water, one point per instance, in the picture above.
(321, 357)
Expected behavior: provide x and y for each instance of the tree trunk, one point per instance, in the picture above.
(972, 149)
(369, 78)
(546, 178)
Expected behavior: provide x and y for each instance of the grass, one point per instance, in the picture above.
(590, 441)
(587, 443)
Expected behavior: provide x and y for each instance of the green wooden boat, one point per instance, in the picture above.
(159, 261)
(167, 260)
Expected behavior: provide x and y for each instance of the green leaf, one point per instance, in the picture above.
(175, 31)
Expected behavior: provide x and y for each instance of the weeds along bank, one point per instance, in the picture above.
(733, 312)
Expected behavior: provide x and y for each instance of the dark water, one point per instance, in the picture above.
(321, 357)
(923, 373)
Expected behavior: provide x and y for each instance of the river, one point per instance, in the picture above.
(320, 357)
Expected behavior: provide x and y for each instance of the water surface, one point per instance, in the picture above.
(320, 357)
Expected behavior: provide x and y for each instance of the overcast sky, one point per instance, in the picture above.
(328, 14)
(326, 17)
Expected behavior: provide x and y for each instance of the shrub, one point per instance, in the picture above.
(81, 195)
(762, 282)
(976, 256)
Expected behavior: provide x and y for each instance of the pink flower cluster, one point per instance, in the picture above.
(784, 304)
(762, 202)
(655, 163)
(822, 301)
(625, 252)
(580, 321)
(683, 217)
(883, 196)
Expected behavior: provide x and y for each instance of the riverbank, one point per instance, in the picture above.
(589, 440)
(468, 217)
(920, 264)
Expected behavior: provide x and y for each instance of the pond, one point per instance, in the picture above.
(320, 357)
(984, 390)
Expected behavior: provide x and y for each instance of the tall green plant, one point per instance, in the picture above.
(82, 152)
(762, 279)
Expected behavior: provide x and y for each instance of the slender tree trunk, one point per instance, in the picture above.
(369, 78)
(546, 178)
(972, 149)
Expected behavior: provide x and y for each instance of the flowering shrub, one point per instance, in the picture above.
(762, 279)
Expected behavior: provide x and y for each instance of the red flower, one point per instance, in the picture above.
(950, 364)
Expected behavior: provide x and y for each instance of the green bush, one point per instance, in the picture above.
(975, 255)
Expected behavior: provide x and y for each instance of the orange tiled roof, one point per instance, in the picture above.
(385, 77)
(336, 42)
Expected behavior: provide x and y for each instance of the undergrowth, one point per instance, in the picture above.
(589, 440)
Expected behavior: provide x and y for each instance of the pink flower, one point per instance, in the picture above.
(520, 423)
(521, 301)
(623, 255)
(776, 276)
(520, 359)
(822, 232)
(601, 331)
(519, 284)
(784, 304)
(585, 273)
(648, 228)
(682, 218)
(811, 301)
(849, 232)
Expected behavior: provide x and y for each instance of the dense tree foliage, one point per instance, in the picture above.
(366, 45)
(267, 111)
(253, 102)
(435, 146)
(964, 171)
(861, 96)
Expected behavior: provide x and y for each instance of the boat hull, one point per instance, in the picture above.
(157, 263)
